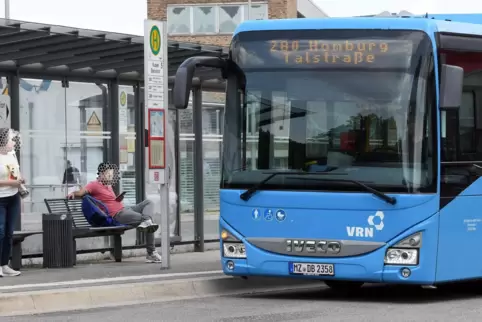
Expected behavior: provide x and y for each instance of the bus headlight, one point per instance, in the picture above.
(234, 250)
(398, 256)
(405, 252)
(232, 246)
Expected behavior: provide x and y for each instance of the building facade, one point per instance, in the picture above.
(213, 22)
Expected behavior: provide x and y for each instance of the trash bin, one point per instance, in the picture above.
(58, 243)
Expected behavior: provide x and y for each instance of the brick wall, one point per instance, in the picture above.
(282, 9)
(156, 9)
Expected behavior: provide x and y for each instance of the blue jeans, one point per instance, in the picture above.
(9, 214)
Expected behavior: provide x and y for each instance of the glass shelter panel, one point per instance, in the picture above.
(186, 168)
(212, 148)
(88, 139)
(127, 144)
(171, 158)
(127, 149)
(43, 124)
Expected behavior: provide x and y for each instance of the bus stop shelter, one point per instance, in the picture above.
(47, 52)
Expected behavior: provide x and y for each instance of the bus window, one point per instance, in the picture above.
(467, 123)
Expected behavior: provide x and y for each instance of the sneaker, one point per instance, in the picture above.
(1, 272)
(7, 271)
(154, 257)
(148, 226)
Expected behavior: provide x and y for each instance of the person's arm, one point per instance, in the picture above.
(10, 183)
(90, 188)
(120, 197)
(77, 194)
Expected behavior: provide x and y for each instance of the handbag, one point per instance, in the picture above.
(22, 190)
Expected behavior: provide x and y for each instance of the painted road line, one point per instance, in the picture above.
(107, 280)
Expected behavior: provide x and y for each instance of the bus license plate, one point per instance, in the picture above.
(312, 269)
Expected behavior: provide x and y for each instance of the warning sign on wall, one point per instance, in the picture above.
(94, 125)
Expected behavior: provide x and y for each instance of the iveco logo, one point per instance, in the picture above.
(313, 246)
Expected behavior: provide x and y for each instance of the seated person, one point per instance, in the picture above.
(139, 215)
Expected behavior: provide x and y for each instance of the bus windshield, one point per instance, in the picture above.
(351, 102)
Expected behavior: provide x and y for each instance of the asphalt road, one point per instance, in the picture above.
(371, 304)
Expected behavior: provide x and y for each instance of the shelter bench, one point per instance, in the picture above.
(81, 227)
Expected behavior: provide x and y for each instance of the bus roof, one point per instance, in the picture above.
(430, 26)
(475, 18)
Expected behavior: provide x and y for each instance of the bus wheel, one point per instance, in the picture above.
(343, 285)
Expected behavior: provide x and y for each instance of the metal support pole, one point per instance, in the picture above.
(140, 145)
(105, 124)
(140, 163)
(7, 9)
(14, 91)
(249, 10)
(164, 191)
(165, 231)
(198, 170)
(31, 126)
(112, 124)
(83, 142)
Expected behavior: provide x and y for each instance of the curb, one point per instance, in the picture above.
(82, 298)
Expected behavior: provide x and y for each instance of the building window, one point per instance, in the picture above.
(211, 19)
(229, 18)
(179, 20)
(204, 19)
(258, 12)
(467, 126)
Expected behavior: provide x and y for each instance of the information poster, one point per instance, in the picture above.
(156, 137)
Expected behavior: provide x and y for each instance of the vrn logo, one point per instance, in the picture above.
(374, 221)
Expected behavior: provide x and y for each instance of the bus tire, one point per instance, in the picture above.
(344, 285)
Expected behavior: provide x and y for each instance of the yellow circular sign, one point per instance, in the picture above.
(123, 98)
(155, 40)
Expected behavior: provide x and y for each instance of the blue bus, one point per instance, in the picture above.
(352, 150)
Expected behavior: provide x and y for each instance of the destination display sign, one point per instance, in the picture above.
(302, 53)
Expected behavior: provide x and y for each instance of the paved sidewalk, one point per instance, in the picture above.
(106, 284)
(182, 264)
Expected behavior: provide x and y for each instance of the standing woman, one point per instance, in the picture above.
(10, 182)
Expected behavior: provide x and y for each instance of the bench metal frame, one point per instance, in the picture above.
(18, 239)
(81, 227)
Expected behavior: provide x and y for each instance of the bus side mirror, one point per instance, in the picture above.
(451, 83)
(185, 74)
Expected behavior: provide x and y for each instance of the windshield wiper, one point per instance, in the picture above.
(249, 193)
(379, 194)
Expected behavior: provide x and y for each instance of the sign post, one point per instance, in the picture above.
(156, 106)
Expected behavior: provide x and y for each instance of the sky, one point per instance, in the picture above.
(347, 8)
(123, 16)
(126, 16)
